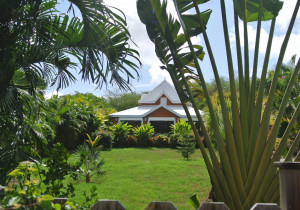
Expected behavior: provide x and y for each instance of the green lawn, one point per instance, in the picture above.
(138, 176)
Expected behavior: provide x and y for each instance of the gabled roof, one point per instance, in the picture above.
(164, 88)
(143, 111)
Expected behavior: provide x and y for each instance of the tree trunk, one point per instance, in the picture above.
(88, 178)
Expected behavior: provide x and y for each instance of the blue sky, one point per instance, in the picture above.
(150, 72)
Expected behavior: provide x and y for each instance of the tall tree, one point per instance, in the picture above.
(40, 46)
(243, 172)
(43, 43)
(121, 101)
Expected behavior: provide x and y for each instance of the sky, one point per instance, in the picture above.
(150, 72)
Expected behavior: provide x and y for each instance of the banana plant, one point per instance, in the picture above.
(241, 169)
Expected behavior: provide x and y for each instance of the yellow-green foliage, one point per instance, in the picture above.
(181, 127)
(143, 134)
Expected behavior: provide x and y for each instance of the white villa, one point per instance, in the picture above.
(161, 107)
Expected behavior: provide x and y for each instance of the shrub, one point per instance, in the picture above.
(58, 168)
(186, 145)
(120, 132)
(150, 142)
(105, 139)
(143, 133)
(161, 141)
(131, 141)
(25, 191)
(182, 127)
(89, 158)
(174, 138)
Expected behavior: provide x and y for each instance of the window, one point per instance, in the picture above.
(163, 101)
(161, 126)
(134, 123)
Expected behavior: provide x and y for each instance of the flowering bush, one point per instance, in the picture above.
(150, 142)
(161, 141)
(131, 141)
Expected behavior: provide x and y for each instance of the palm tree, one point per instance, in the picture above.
(243, 172)
(43, 43)
(40, 46)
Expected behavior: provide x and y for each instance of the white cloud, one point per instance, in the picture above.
(50, 94)
(157, 74)
(147, 50)
(142, 85)
(293, 46)
(136, 29)
(139, 35)
(284, 16)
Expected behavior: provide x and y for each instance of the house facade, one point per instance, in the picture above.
(161, 108)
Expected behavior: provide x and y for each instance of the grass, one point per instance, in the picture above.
(136, 177)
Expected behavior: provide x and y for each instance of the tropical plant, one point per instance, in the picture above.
(211, 88)
(22, 137)
(283, 80)
(89, 159)
(182, 137)
(181, 128)
(120, 133)
(56, 170)
(218, 115)
(194, 201)
(41, 47)
(161, 141)
(186, 145)
(91, 198)
(242, 173)
(131, 141)
(24, 191)
(105, 139)
(143, 135)
(72, 116)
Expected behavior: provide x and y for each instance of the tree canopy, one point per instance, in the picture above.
(44, 44)
(121, 100)
(41, 47)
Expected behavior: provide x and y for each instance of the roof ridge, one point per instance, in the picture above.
(162, 88)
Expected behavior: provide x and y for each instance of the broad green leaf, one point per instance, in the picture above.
(180, 40)
(45, 198)
(45, 205)
(56, 206)
(192, 22)
(270, 9)
(185, 5)
(22, 192)
(64, 110)
(32, 170)
(194, 201)
(16, 172)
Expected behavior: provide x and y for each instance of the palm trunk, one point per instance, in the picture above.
(87, 178)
